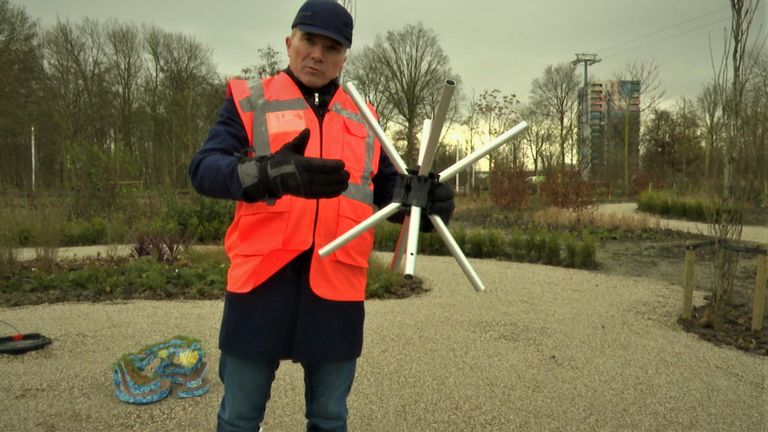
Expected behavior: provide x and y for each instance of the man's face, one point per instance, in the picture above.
(314, 59)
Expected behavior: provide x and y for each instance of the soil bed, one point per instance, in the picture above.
(665, 260)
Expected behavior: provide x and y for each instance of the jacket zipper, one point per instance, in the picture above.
(317, 201)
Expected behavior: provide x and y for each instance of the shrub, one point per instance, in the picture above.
(532, 249)
(23, 236)
(201, 275)
(551, 250)
(386, 235)
(9, 261)
(383, 283)
(432, 244)
(586, 254)
(90, 232)
(162, 247)
(566, 189)
(571, 251)
(516, 249)
(475, 245)
(692, 208)
(509, 186)
(202, 219)
(530, 246)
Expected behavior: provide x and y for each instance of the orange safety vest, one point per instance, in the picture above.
(264, 236)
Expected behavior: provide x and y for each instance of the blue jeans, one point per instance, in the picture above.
(247, 387)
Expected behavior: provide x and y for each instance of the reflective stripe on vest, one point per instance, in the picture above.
(256, 103)
(360, 192)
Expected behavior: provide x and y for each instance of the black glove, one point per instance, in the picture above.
(289, 172)
(440, 204)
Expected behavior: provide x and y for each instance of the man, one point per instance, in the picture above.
(295, 153)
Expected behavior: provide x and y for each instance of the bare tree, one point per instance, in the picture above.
(711, 120)
(76, 84)
(269, 64)
(555, 95)
(497, 114)
(182, 79)
(647, 72)
(726, 220)
(672, 153)
(742, 16)
(538, 137)
(471, 122)
(756, 156)
(413, 67)
(75, 66)
(125, 61)
(20, 79)
(362, 69)
(649, 93)
(121, 101)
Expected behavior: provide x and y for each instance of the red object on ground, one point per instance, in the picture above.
(20, 343)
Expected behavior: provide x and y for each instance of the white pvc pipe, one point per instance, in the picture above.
(436, 127)
(386, 144)
(444, 234)
(412, 245)
(482, 152)
(360, 228)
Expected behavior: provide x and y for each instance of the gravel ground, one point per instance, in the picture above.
(543, 349)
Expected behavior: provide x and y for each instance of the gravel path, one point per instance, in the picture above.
(543, 349)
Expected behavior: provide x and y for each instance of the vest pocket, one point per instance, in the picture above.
(262, 227)
(355, 147)
(356, 252)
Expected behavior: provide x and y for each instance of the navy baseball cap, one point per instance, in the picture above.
(327, 18)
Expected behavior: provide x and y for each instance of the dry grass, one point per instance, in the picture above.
(580, 219)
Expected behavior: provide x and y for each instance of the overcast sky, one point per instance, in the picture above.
(502, 44)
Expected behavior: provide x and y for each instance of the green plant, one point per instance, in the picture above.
(516, 249)
(531, 245)
(162, 247)
(431, 244)
(9, 261)
(201, 219)
(571, 252)
(383, 283)
(475, 245)
(200, 275)
(385, 236)
(532, 249)
(586, 254)
(90, 232)
(551, 250)
(692, 208)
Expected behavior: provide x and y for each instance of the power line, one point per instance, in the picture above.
(663, 29)
(667, 38)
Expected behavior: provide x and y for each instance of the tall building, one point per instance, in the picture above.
(614, 110)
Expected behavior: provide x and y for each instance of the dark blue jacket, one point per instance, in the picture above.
(282, 318)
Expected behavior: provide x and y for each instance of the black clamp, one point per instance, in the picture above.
(412, 189)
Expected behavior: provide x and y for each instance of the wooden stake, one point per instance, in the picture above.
(690, 260)
(758, 301)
